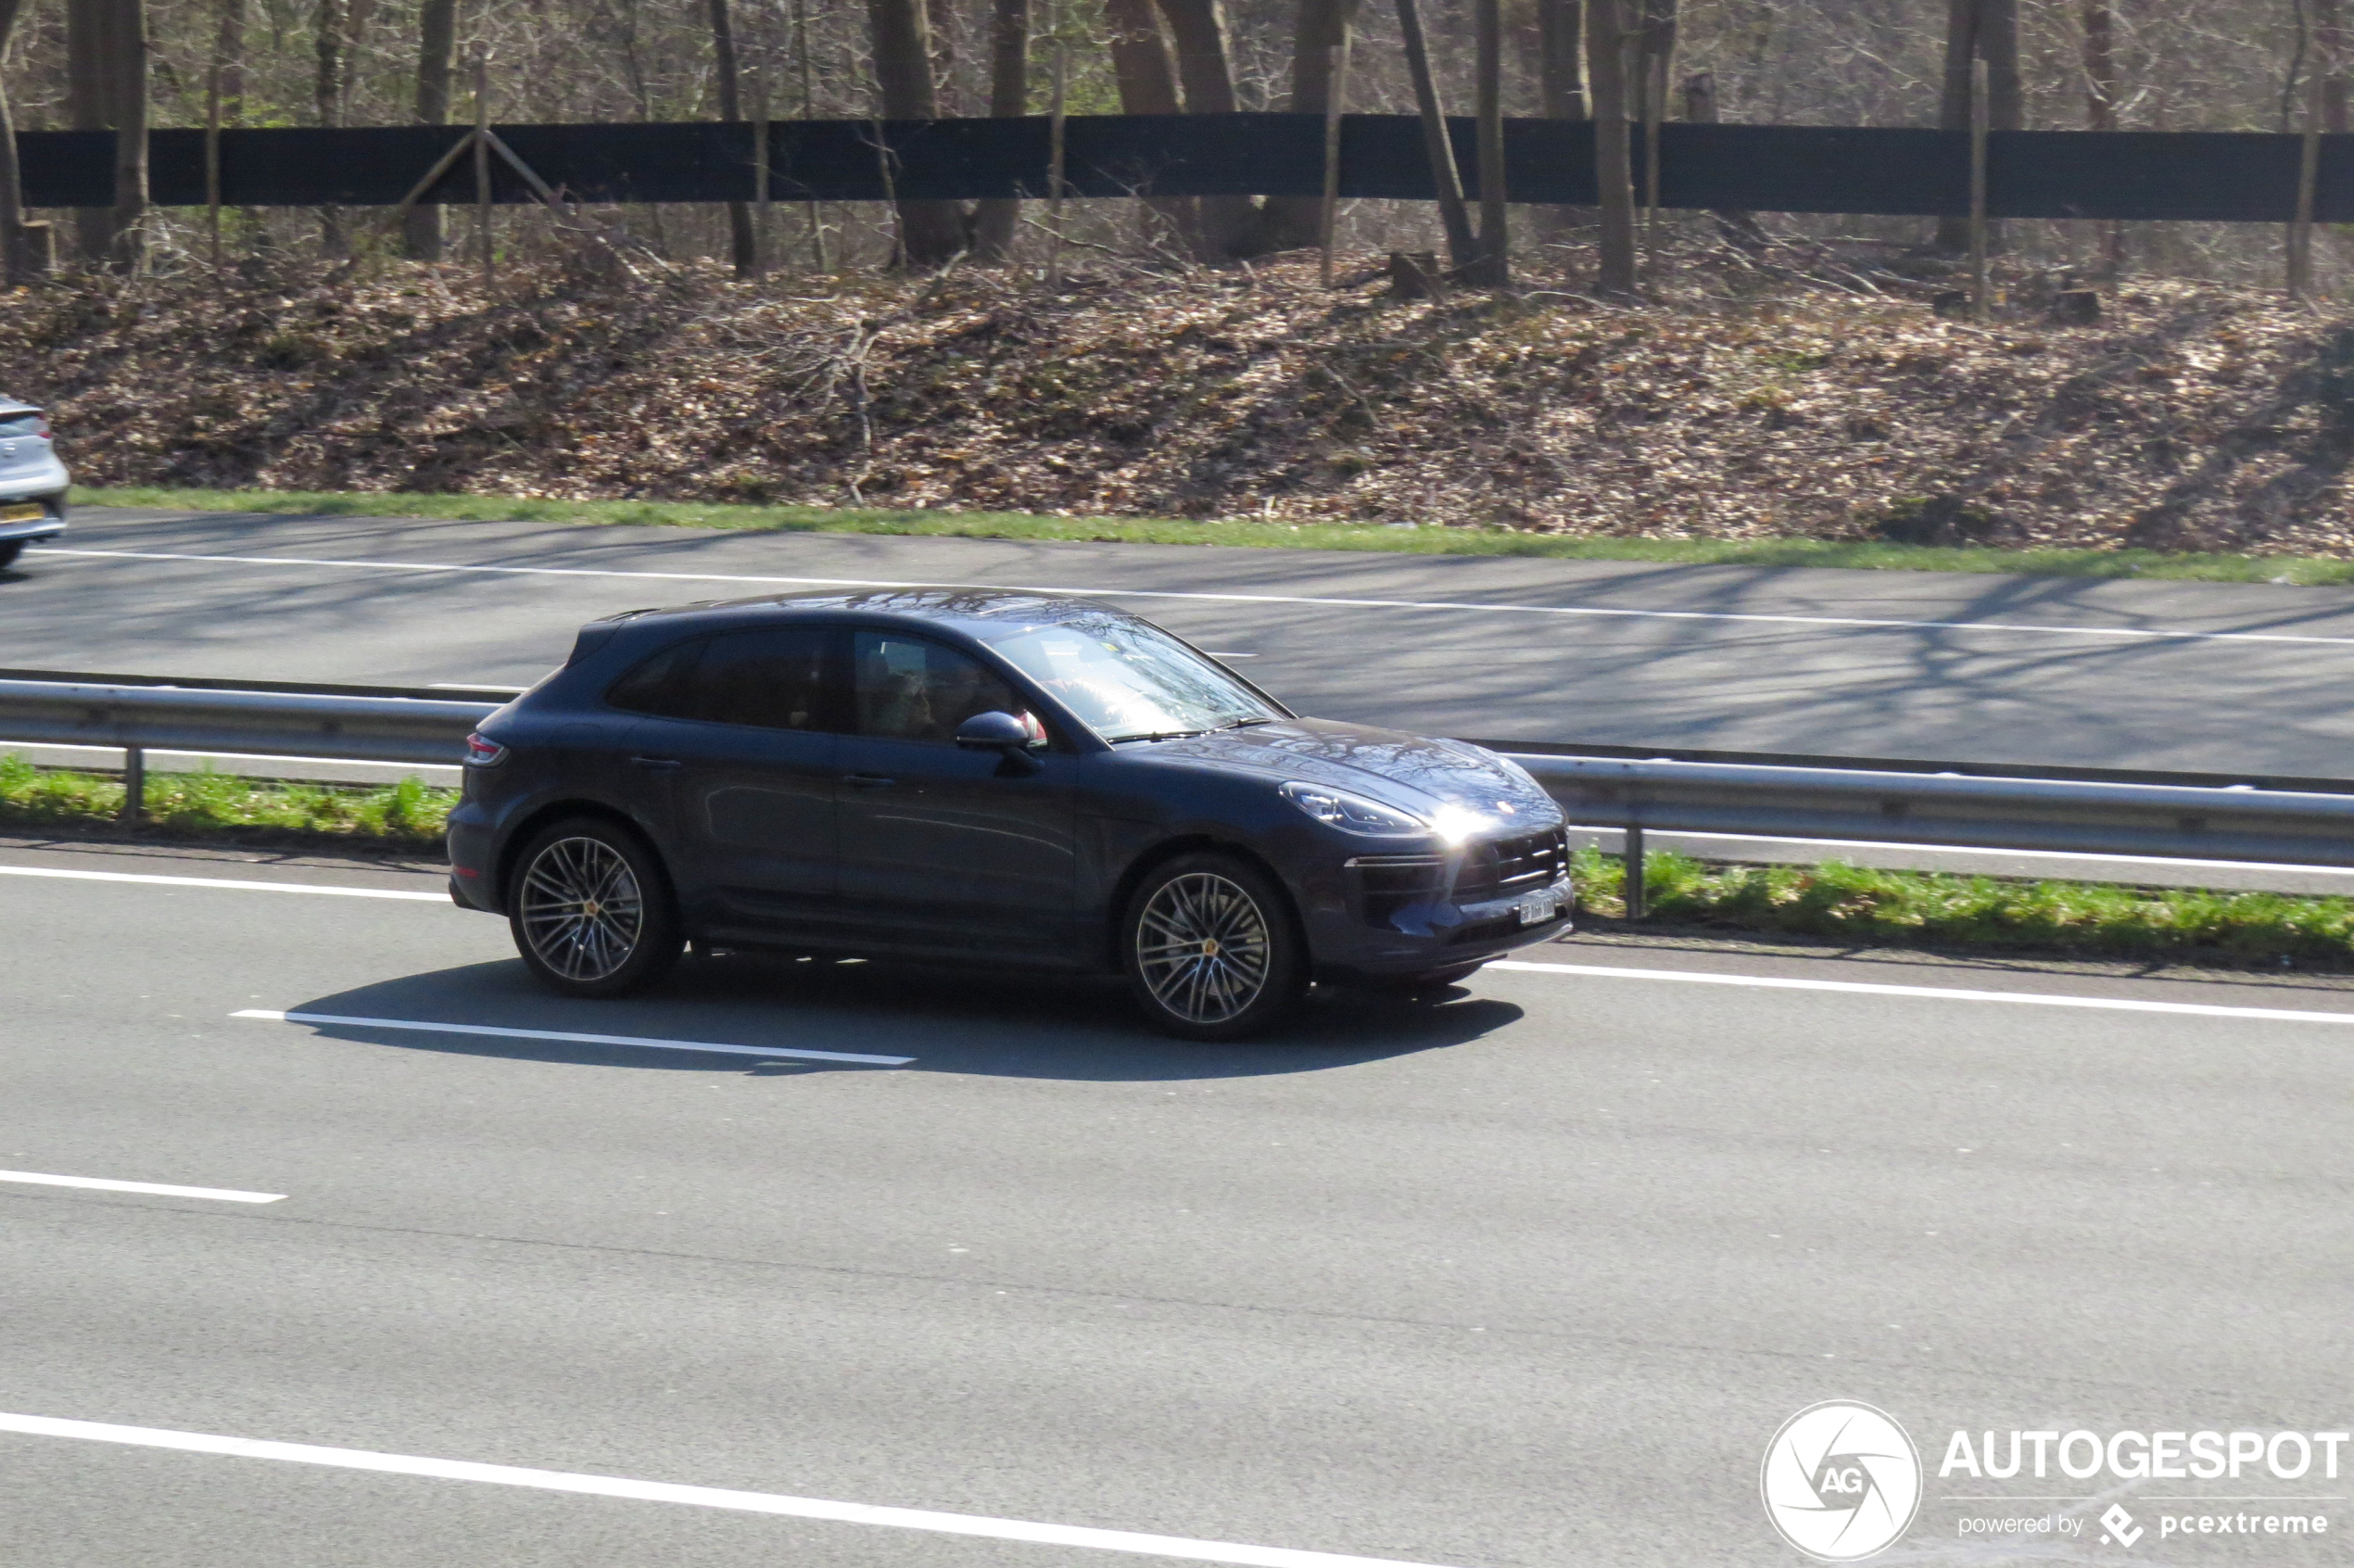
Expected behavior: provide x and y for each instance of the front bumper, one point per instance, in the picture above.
(1404, 914)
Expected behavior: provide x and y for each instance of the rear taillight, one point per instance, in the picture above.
(484, 753)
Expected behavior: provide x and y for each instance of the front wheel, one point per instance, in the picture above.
(591, 910)
(10, 551)
(1211, 948)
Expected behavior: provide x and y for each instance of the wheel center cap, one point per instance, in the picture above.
(1209, 947)
(592, 908)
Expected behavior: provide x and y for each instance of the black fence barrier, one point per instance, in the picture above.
(2214, 176)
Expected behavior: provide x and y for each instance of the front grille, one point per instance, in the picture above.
(1498, 868)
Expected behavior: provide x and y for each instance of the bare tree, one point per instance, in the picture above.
(1230, 224)
(327, 38)
(436, 46)
(1609, 37)
(130, 93)
(931, 232)
(16, 265)
(2329, 44)
(1561, 69)
(743, 244)
(1292, 222)
(1147, 79)
(1495, 266)
(1986, 29)
(90, 54)
(995, 221)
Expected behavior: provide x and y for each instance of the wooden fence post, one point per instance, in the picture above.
(1336, 86)
(2309, 169)
(482, 170)
(1979, 305)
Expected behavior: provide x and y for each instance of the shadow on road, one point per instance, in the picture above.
(992, 1024)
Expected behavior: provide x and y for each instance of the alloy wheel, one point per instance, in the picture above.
(581, 908)
(1202, 947)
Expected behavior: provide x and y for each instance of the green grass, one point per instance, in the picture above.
(207, 804)
(1987, 914)
(1865, 554)
(1846, 903)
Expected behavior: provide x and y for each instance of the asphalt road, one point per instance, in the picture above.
(2195, 676)
(1528, 1277)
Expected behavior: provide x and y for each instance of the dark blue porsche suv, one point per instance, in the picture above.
(993, 778)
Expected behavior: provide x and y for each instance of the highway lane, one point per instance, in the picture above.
(2199, 677)
(1526, 1277)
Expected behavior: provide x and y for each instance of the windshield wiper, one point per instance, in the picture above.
(1159, 735)
(1243, 723)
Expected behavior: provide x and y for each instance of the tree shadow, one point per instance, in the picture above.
(984, 1023)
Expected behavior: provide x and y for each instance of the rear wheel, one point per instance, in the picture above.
(1211, 948)
(591, 910)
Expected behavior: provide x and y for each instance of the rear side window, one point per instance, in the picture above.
(16, 426)
(777, 679)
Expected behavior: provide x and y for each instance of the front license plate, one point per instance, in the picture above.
(1537, 908)
(22, 514)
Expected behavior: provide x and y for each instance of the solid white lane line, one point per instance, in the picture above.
(1844, 621)
(225, 1195)
(697, 1497)
(498, 1033)
(1930, 992)
(1666, 834)
(329, 889)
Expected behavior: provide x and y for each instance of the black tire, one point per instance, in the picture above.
(1427, 980)
(1211, 948)
(8, 553)
(591, 909)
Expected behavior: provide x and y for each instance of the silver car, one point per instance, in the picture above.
(33, 482)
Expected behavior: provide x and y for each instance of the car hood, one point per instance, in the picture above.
(1412, 772)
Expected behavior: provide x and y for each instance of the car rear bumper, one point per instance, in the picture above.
(48, 494)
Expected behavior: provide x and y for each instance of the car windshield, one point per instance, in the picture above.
(1129, 681)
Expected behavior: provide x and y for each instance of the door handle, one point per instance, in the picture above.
(868, 781)
(657, 764)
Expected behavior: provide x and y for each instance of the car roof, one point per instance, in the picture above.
(11, 405)
(981, 612)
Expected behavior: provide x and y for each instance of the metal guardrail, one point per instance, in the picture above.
(2112, 815)
(281, 723)
(2237, 822)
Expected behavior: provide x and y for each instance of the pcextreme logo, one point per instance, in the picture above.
(1842, 1481)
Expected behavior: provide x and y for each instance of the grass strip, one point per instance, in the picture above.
(1393, 538)
(1987, 914)
(209, 805)
(1847, 903)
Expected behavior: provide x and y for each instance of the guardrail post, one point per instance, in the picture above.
(1638, 904)
(134, 783)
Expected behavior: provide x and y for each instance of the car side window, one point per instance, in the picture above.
(658, 684)
(773, 678)
(913, 689)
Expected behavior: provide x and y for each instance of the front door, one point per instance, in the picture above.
(736, 759)
(945, 850)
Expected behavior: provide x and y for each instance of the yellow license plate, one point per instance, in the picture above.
(22, 514)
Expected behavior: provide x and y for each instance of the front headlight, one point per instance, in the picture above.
(1354, 814)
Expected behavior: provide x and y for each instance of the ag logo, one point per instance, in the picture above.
(1842, 1481)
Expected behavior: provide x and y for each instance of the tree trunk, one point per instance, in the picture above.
(1230, 224)
(327, 26)
(129, 94)
(229, 49)
(1561, 67)
(15, 264)
(1147, 79)
(1986, 29)
(742, 245)
(1292, 222)
(436, 45)
(90, 27)
(931, 232)
(995, 221)
(1495, 238)
(1608, 37)
(2329, 44)
(1462, 249)
(1655, 40)
(2101, 95)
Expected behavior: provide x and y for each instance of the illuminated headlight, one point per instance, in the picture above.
(1455, 824)
(1354, 814)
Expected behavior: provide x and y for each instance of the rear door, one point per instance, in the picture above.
(944, 850)
(736, 759)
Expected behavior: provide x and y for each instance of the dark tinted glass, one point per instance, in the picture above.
(775, 679)
(659, 685)
(910, 688)
(15, 425)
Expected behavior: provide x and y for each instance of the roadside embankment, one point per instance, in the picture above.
(1751, 409)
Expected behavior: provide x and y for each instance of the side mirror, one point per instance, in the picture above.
(994, 733)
